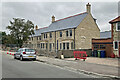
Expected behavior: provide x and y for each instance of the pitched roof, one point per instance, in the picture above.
(39, 31)
(61, 24)
(115, 20)
(106, 34)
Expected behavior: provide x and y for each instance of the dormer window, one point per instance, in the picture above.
(118, 26)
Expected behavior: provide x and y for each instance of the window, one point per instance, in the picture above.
(37, 38)
(70, 32)
(102, 46)
(38, 45)
(67, 33)
(50, 47)
(60, 46)
(43, 45)
(96, 46)
(115, 45)
(118, 26)
(46, 35)
(53, 44)
(46, 45)
(40, 38)
(71, 45)
(67, 45)
(63, 46)
(60, 33)
(50, 34)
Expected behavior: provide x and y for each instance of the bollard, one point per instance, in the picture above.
(10, 53)
(7, 53)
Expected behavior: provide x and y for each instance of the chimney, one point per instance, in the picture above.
(53, 19)
(36, 27)
(88, 8)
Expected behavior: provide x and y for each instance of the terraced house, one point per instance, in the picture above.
(70, 33)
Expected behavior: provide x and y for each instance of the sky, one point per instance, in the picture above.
(40, 13)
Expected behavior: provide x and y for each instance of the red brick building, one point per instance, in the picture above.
(109, 40)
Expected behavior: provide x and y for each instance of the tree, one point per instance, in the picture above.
(21, 29)
(4, 38)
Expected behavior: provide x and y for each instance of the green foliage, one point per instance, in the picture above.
(4, 39)
(20, 30)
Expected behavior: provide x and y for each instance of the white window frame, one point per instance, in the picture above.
(117, 26)
(114, 45)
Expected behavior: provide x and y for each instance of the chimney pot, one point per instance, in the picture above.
(88, 8)
(53, 19)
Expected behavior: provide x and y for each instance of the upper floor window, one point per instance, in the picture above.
(50, 34)
(45, 35)
(67, 33)
(70, 32)
(118, 26)
(39, 37)
(60, 33)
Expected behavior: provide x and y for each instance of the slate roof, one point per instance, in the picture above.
(65, 23)
(106, 34)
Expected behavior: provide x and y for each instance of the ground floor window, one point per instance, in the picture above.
(46, 45)
(67, 45)
(115, 45)
(71, 45)
(38, 45)
(102, 46)
(63, 46)
(50, 46)
(60, 46)
(96, 46)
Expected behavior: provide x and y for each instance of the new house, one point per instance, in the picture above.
(70, 33)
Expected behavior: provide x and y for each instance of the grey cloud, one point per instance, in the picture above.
(40, 13)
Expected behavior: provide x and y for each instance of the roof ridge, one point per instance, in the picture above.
(71, 16)
(42, 28)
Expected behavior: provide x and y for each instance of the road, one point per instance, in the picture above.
(12, 68)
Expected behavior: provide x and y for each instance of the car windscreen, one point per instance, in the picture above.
(29, 50)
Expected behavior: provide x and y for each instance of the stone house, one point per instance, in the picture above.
(115, 32)
(70, 33)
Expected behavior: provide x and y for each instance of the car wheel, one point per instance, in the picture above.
(21, 58)
(15, 57)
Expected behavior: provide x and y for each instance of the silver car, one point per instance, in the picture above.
(25, 53)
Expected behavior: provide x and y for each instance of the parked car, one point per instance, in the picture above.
(25, 53)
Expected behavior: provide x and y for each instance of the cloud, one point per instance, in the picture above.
(40, 12)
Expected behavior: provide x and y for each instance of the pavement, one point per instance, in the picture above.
(101, 67)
